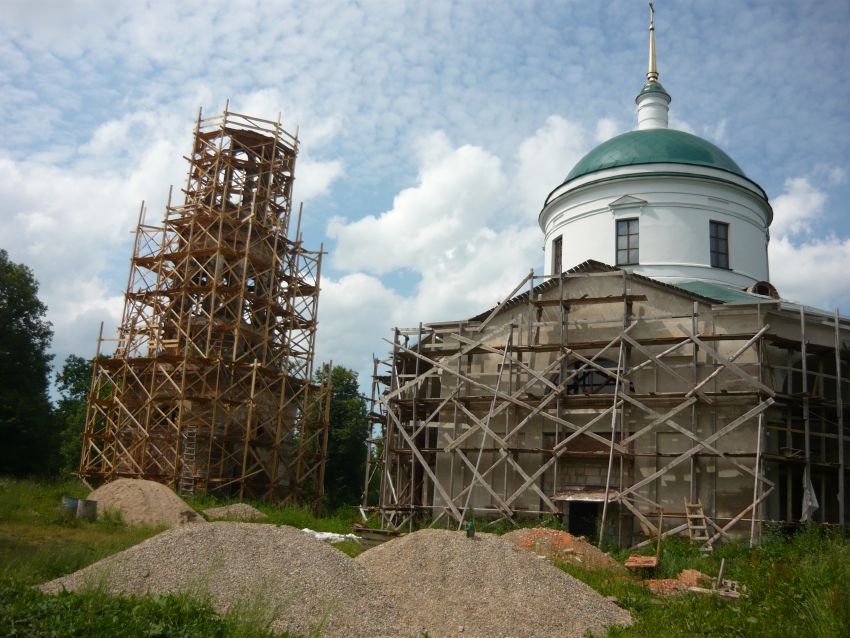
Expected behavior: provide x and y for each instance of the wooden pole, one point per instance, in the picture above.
(611, 447)
(756, 481)
(807, 480)
(839, 410)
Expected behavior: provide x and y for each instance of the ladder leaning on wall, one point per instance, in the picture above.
(697, 525)
(187, 458)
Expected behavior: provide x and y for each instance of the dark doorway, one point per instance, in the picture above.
(584, 518)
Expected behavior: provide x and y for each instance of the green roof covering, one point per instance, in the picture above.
(652, 146)
(719, 292)
(729, 295)
(653, 87)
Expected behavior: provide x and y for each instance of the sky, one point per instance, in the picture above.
(431, 133)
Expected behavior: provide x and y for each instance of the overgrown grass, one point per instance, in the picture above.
(38, 543)
(26, 612)
(795, 586)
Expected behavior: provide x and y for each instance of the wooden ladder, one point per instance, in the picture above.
(187, 458)
(697, 525)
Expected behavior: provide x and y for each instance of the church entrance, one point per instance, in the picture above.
(584, 518)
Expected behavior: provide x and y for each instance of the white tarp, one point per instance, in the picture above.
(330, 537)
(810, 501)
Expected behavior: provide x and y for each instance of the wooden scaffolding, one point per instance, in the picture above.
(607, 392)
(210, 387)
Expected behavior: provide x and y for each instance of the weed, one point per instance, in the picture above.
(796, 585)
(27, 612)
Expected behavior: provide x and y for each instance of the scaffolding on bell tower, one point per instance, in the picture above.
(211, 385)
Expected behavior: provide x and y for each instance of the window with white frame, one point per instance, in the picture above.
(628, 244)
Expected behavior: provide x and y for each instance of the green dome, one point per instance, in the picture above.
(653, 87)
(653, 146)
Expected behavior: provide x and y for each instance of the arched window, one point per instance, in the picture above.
(590, 380)
(557, 255)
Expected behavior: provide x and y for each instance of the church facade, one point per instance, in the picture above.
(652, 379)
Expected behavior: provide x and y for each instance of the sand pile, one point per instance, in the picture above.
(562, 546)
(143, 502)
(280, 570)
(453, 586)
(235, 512)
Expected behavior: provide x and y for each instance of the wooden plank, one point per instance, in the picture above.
(427, 468)
(686, 455)
(495, 311)
(729, 365)
(585, 301)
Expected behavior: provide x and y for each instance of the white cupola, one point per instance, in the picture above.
(653, 102)
(661, 203)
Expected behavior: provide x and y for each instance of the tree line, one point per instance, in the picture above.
(40, 437)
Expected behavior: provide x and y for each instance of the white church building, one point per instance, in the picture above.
(650, 377)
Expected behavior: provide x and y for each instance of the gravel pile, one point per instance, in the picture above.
(143, 502)
(449, 585)
(302, 581)
(235, 512)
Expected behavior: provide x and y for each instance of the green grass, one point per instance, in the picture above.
(37, 544)
(796, 586)
(26, 612)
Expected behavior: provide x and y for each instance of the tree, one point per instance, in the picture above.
(73, 384)
(349, 429)
(28, 442)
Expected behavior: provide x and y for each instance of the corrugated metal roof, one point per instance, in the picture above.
(722, 293)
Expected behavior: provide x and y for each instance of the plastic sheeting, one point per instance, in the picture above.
(330, 537)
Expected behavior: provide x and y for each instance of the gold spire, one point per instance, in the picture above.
(652, 73)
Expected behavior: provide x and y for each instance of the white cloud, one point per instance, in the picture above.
(813, 272)
(546, 157)
(98, 106)
(606, 128)
(459, 232)
(355, 311)
(71, 221)
(834, 175)
(716, 132)
(315, 178)
(803, 267)
(459, 191)
(797, 207)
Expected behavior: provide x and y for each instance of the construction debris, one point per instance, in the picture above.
(235, 512)
(375, 535)
(141, 502)
(637, 562)
(449, 585)
(691, 580)
(641, 562)
(562, 546)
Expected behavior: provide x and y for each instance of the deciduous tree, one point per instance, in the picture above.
(349, 427)
(28, 441)
(73, 384)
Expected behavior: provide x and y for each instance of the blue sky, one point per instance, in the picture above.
(431, 133)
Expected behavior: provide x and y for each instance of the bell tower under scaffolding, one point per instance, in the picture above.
(211, 387)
